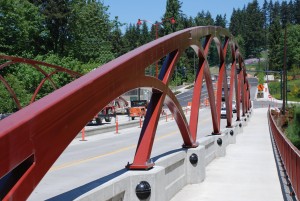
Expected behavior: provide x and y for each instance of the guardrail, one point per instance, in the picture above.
(289, 154)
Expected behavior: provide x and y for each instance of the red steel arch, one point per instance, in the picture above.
(34, 137)
(35, 64)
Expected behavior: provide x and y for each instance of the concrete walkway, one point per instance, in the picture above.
(247, 172)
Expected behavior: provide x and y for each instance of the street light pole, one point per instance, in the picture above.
(284, 93)
(171, 20)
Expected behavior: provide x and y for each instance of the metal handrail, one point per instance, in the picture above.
(289, 154)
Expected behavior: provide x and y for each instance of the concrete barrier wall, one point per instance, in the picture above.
(171, 172)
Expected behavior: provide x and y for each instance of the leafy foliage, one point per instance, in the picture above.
(293, 130)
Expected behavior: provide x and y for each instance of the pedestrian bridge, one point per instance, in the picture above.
(35, 136)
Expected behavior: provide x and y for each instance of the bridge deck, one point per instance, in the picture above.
(247, 172)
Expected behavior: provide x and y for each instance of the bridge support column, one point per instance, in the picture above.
(221, 142)
(244, 120)
(195, 173)
(240, 125)
(155, 177)
(232, 134)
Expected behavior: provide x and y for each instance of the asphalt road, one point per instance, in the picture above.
(87, 164)
(187, 96)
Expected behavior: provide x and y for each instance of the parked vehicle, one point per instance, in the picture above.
(233, 106)
(224, 112)
(138, 108)
(121, 105)
(223, 93)
(2, 116)
(117, 106)
(108, 112)
(97, 120)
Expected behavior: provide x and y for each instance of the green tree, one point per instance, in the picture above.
(254, 26)
(57, 14)
(235, 22)
(275, 49)
(203, 19)
(173, 9)
(266, 15)
(285, 13)
(116, 38)
(241, 42)
(21, 27)
(297, 11)
(293, 46)
(7, 105)
(220, 21)
(89, 32)
(261, 78)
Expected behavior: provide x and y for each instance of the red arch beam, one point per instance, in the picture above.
(34, 137)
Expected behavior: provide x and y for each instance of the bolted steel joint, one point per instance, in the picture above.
(219, 141)
(194, 159)
(231, 132)
(143, 190)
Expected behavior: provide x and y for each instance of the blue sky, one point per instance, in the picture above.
(129, 11)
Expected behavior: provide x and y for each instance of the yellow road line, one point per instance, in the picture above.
(73, 163)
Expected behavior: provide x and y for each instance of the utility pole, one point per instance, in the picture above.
(284, 77)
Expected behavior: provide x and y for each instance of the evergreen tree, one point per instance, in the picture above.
(297, 11)
(173, 9)
(131, 37)
(254, 26)
(145, 35)
(220, 21)
(116, 38)
(293, 46)
(274, 11)
(266, 15)
(292, 11)
(284, 14)
(89, 32)
(275, 49)
(56, 13)
(233, 28)
(203, 19)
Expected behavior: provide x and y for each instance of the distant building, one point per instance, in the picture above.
(269, 78)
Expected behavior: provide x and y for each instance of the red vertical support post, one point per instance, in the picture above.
(196, 100)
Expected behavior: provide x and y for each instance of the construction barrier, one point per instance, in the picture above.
(83, 134)
(117, 125)
(206, 102)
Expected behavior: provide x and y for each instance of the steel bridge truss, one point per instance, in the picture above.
(33, 138)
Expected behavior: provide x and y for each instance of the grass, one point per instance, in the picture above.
(293, 130)
(293, 86)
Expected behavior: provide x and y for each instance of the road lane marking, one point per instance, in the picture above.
(73, 163)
